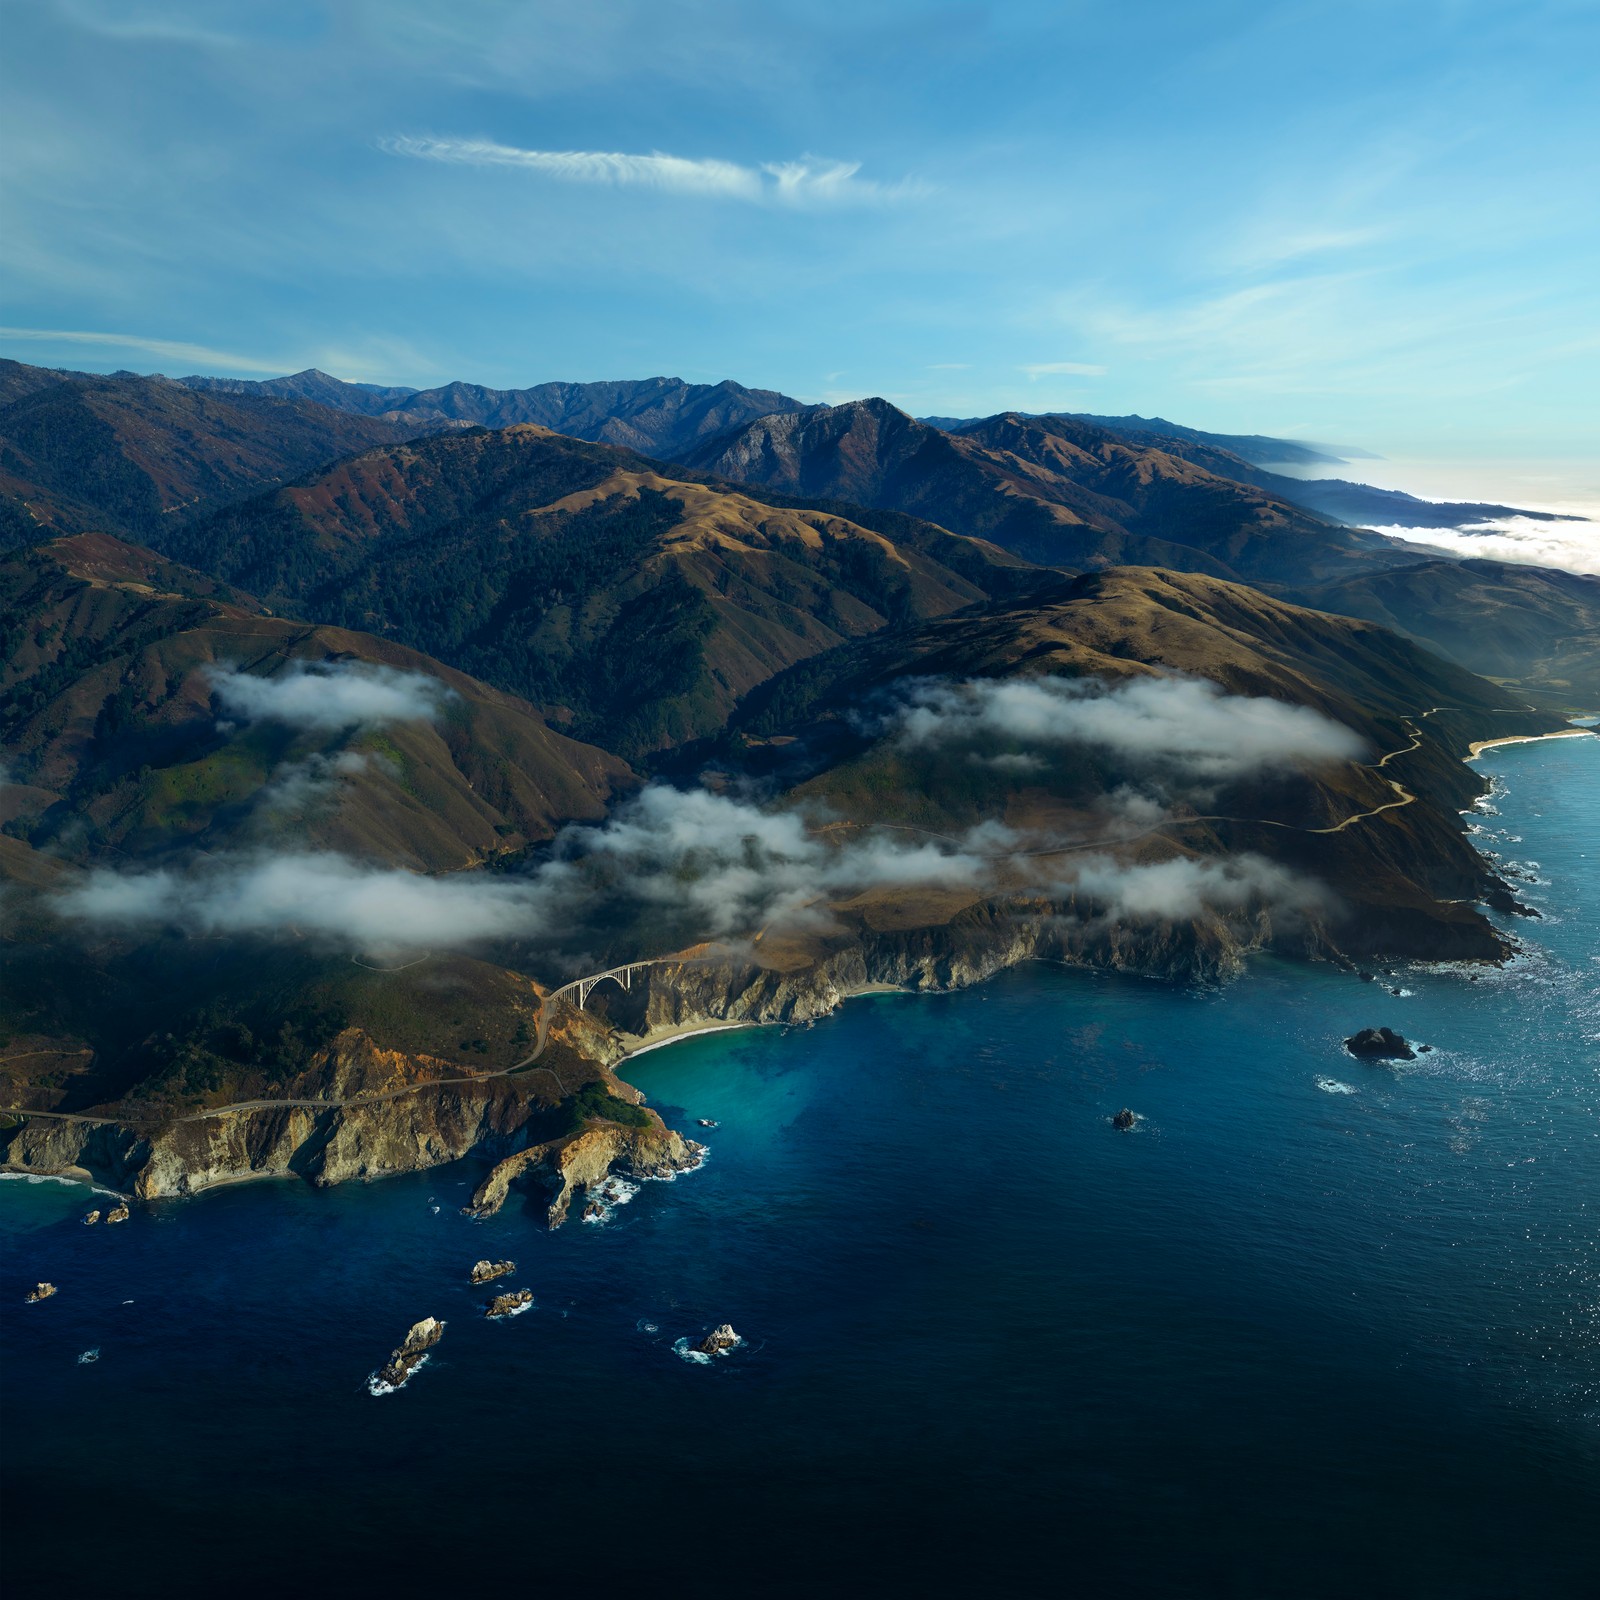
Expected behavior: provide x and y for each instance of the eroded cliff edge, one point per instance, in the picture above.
(375, 1112)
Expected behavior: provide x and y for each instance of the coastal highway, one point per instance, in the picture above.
(1405, 798)
(377, 1096)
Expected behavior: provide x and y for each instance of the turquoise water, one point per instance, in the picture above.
(1314, 1328)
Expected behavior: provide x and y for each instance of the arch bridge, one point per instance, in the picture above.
(581, 987)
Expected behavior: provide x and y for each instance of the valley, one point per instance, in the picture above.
(339, 785)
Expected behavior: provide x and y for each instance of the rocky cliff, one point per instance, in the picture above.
(367, 1112)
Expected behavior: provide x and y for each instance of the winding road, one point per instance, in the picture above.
(581, 986)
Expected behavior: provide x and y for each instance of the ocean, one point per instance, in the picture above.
(1312, 1328)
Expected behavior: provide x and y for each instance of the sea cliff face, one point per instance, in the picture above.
(363, 1111)
(586, 1160)
(421, 1128)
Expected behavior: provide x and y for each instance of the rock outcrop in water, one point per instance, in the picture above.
(91, 1218)
(407, 1358)
(1379, 1044)
(504, 1305)
(40, 1291)
(118, 1213)
(1124, 1120)
(584, 1161)
(488, 1271)
(719, 1341)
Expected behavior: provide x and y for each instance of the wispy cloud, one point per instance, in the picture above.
(807, 182)
(1075, 369)
(1187, 725)
(697, 864)
(164, 349)
(331, 696)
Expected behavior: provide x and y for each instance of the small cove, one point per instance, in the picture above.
(1279, 1339)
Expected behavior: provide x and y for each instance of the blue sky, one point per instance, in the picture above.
(1372, 223)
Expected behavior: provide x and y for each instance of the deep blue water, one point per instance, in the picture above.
(1279, 1341)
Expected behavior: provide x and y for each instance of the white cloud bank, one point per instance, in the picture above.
(1183, 888)
(328, 696)
(808, 182)
(316, 893)
(721, 866)
(1529, 541)
(1184, 724)
(728, 868)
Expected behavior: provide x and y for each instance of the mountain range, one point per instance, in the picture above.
(325, 650)
(669, 418)
(131, 455)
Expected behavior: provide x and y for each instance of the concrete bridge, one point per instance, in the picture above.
(623, 976)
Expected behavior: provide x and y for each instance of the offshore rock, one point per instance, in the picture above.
(1379, 1044)
(488, 1271)
(719, 1341)
(585, 1160)
(92, 1218)
(40, 1291)
(1124, 1120)
(118, 1213)
(504, 1305)
(418, 1342)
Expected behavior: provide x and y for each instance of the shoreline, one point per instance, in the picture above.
(1478, 746)
(668, 1036)
(78, 1177)
(694, 1030)
(659, 1039)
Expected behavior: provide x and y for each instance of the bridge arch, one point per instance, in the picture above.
(622, 976)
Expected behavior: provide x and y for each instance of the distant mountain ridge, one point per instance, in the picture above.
(667, 417)
(656, 416)
(1250, 457)
(1056, 491)
(132, 456)
(1258, 449)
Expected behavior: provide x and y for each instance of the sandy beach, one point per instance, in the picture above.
(1478, 746)
(665, 1036)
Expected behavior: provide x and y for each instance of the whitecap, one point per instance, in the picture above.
(1334, 1086)
(377, 1386)
(699, 1159)
(682, 1348)
(645, 1326)
(89, 1357)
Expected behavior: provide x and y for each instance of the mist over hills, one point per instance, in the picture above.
(286, 685)
(635, 600)
(126, 727)
(1131, 625)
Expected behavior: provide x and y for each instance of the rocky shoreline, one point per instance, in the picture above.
(497, 1120)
